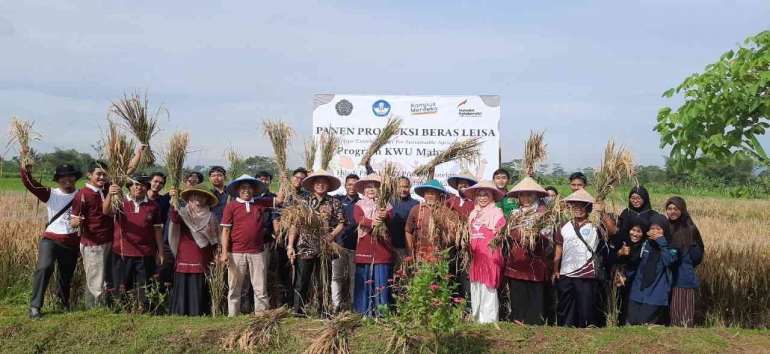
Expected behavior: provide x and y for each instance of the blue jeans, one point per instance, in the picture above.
(367, 298)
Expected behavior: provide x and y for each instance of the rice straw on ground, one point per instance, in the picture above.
(466, 150)
(333, 338)
(134, 111)
(261, 331)
(385, 136)
(215, 276)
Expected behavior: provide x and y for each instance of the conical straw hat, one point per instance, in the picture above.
(361, 184)
(452, 181)
(528, 184)
(259, 186)
(489, 186)
(580, 196)
(334, 182)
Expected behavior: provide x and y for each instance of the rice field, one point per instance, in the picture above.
(734, 276)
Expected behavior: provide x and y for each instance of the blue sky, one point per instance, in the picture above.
(584, 70)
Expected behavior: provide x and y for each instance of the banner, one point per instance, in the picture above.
(430, 125)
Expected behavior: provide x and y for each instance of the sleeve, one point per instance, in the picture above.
(410, 221)
(669, 256)
(267, 202)
(156, 216)
(558, 239)
(175, 218)
(76, 205)
(360, 218)
(38, 190)
(696, 255)
(500, 225)
(340, 213)
(227, 215)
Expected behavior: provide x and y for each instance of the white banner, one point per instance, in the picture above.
(430, 125)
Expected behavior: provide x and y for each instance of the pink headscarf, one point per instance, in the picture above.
(369, 206)
(487, 216)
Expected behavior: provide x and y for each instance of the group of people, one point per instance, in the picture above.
(127, 238)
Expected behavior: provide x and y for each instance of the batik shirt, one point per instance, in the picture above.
(331, 213)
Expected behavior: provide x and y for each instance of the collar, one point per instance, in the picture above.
(355, 199)
(406, 199)
(93, 188)
(216, 191)
(136, 205)
(247, 202)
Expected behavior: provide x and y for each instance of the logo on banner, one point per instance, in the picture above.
(381, 108)
(466, 112)
(344, 108)
(424, 108)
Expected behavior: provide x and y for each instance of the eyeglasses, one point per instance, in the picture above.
(636, 198)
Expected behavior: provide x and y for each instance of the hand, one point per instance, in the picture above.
(76, 221)
(290, 254)
(114, 189)
(330, 237)
(555, 276)
(281, 196)
(223, 257)
(654, 235)
(377, 222)
(159, 258)
(599, 207)
(625, 250)
(24, 150)
(382, 214)
(172, 192)
(142, 148)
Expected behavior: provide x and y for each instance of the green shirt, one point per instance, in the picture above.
(508, 204)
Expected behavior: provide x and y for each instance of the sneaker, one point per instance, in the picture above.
(34, 313)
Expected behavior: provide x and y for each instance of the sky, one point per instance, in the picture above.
(584, 71)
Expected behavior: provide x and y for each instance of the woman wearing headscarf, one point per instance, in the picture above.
(485, 222)
(687, 239)
(373, 254)
(652, 284)
(527, 268)
(626, 255)
(639, 208)
(193, 234)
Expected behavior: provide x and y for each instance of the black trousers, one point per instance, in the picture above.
(526, 302)
(577, 302)
(549, 302)
(166, 270)
(131, 272)
(639, 314)
(285, 285)
(50, 253)
(307, 270)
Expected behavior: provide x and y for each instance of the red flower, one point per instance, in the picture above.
(111, 290)
(167, 284)
(459, 300)
(141, 309)
(379, 288)
(122, 287)
(390, 280)
(370, 281)
(434, 287)
(450, 276)
(156, 276)
(408, 259)
(401, 272)
(437, 303)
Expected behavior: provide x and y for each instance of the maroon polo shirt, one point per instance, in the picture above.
(367, 250)
(463, 210)
(246, 232)
(98, 228)
(135, 229)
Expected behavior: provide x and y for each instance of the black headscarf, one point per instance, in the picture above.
(654, 256)
(636, 247)
(631, 214)
(684, 233)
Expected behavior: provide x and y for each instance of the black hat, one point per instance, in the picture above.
(140, 178)
(66, 169)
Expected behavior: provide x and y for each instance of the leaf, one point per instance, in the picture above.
(668, 93)
(758, 148)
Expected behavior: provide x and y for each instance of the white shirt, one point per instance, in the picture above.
(55, 203)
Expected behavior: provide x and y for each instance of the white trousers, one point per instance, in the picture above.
(240, 266)
(94, 263)
(343, 271)
(484, 303)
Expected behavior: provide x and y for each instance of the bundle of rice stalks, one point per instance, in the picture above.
(388, 193)
(334, 337)
(134, 112)
(403, 339)
(280, 135)
(119, 152)
(466, 150)
(22, 133)
(383, 138)
(311, 147)
(216, 277)
(534, 152)
(174, 154)
(532, 224)
(300, 216)
(463, 244)
(237, 162)
(261, 332)
(617, 167)
(330, 143)
(443, 225)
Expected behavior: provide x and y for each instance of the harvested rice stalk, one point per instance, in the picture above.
(531, 224)
(311, 147)
(119, 152)
(237, 162)
(534, 152)
(385, 136)
(330, 143)
(261, 332)
(388, 194)
(22, 133)
(215, 276)
(333, 338)
(443, 224)
(466, 150)
(134, 111)
(174, 153)
(617, 167)
(280, 135)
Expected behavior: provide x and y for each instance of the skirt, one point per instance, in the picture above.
(640, 314)
(682, 307)
(191, 295)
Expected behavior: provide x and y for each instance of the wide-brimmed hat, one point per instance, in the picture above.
(200, 189)
(139, 178)
(361, 184)
(65, 170)
(489, 186)
(528, 184)
(452, 181)
(432, 184)
(232, 187)
(580, 196)
(334, 182)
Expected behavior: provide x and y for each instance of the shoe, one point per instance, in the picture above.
(34, 313)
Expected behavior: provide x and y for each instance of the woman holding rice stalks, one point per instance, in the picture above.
(193, 234)
(527, 269)
(315, 246)
(374, 266)
(486, 222)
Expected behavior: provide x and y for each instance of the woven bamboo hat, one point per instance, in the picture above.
(580, 196)
(361, 184)
(528, 184)
(488, 186)
(452, 181)
(433, 184)
(232, 187)
(201, 188)
(334, 182)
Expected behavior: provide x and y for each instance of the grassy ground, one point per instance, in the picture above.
(99, 331)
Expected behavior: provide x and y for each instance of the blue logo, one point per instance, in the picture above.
(381, 108)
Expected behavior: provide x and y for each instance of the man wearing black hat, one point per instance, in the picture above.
(60, 241)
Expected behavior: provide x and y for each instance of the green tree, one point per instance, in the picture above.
(725, 108)
(255, 164)
(558, 171)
